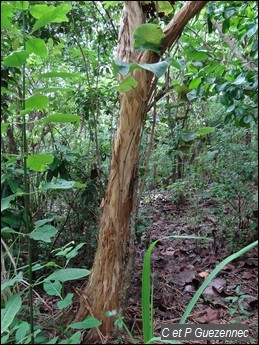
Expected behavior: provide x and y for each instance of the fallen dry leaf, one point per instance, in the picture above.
(210, 316)
(203, 274)
(215, 287)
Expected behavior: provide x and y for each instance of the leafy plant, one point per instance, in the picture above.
(236, 303)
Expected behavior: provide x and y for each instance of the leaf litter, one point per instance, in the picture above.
(180, 266)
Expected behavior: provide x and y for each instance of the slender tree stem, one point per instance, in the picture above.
(27, 190)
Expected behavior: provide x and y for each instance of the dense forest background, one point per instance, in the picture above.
(197, 163)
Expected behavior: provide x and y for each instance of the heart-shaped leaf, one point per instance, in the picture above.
(56, 14)
(16, 59)
(148, 37)
(38, 162)
(53, 288)
(66, 301)
(44, 233)
(37, 46)
(66, 274)
(36, 102)
(126, 84)
(89, 322)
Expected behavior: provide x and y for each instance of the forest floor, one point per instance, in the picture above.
(180, 266)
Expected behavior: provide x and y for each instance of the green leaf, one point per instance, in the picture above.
(12, 307)
(66, 301)
(38, 162)
(210, 68)
(6, 15)
(236, 93)
(230, 108)
(53, 341)
(5, 338)
(64, 251)
(110, 313)
(66, 274)
(41, 222)
(12, 281)
(61, 184)
(192, 95)
(124, 68)
(44, 233)
(176, 64)
(147, 310)
(52, 89)
(11, 231)
(125, 85)
(197, 55)
(252, 31)
(53, 288)
(210, 25)
(57, 15)
(248, 119)
(225, 26)
(205, 130)
(23, 329)
(21, 5)
(108, 4)
(89, 322)
(164, 7)
(120, 67)
(38, 10)
(37, 46)
(229, 11)
(209, 155)
(148, 37)
(57, 75)
(37, 267)
(158, 68)
(13, 185)
(239, 80)
(74, 252)
(255, 197)
(16, 59)
(188, 136)
(36, 102)
(79, 185)
(195, 83)
(62, 118)
(74, 339)
(5, 202)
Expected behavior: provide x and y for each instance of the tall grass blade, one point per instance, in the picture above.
(147, 298)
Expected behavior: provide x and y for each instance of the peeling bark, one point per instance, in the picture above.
(106, 281)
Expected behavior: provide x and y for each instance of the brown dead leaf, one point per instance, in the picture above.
(248, 274)
(215, 287)
(189, 288)
(169, 251)
(210, 316)
(184, 277)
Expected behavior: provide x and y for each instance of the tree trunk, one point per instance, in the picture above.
(106, 281)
